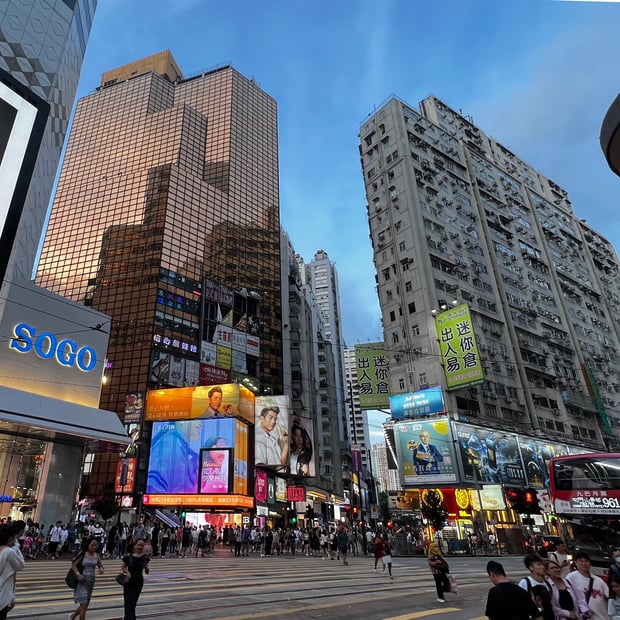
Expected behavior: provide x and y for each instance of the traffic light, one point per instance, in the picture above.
(530, 499)
(309, 512)
(516, 500)
(356, 512)
(292, 516)
(183, 515)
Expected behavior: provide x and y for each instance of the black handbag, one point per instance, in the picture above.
(71, 579)
(122, 579)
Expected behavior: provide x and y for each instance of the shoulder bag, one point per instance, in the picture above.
(71, 579)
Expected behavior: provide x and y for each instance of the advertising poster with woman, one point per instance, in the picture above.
(302, 447)
(425, 452)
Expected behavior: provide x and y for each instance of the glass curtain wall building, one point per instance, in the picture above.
(167, 181)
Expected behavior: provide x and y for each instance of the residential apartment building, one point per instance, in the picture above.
(386, 479)
(455, 216)
(357, 420)
(42, 45)
(309, 370)
(168, 182)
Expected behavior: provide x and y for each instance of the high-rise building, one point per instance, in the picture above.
(168, 182)
(309, 374)
(359, 433)
(42, 45)
(456, 217)
(387, 479)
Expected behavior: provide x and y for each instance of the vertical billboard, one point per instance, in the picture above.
(240, 466)
(302, 453)
(425, 452)
(215, 470)
(417, 404)
(459, 350)
(272, 443)
(23, 116)
(489, 455)
(373, 375)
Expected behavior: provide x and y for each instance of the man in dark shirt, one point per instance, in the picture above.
(506, 600)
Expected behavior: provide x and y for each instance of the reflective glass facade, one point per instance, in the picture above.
(166, 183)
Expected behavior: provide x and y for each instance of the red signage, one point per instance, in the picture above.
(261, 486)
(211, 375)
(296, 494)
(125, 475)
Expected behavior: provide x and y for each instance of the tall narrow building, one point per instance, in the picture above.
(456, 218)
(42, 45)
(168, 182)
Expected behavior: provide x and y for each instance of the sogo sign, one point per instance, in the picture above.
(47, 346)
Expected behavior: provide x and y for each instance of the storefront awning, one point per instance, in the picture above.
(42, 412)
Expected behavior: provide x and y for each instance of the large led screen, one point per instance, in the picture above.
(425, 452)
(207, 401)
(215, 470)
(183, 450)
(22, 121)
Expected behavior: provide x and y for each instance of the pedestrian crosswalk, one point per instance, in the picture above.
(226, 587)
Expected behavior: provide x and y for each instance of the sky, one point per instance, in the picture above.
(536, 75)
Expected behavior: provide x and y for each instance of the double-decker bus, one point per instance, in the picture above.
(585, 492)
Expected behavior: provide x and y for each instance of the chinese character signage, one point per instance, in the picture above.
(373, 375)
(260, 486)
(417, 404)
(296, 494)
(125, 475)
(459, 351)
(425, 452)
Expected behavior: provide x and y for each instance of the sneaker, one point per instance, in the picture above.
(441, 600)
(391, 577)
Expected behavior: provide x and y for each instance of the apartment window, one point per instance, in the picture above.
(394, 337)
(401, 246)
(415, 329)
(401, 384)
(392, 316)
(409, 288)
(406, 266)
(411, 307)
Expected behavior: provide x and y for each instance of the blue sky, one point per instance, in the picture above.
(537, 75)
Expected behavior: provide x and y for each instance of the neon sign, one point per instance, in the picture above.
(46, 346)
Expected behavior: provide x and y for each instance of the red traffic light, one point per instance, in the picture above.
(530, 498)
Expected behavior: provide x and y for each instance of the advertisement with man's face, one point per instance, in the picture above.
(175, 463)
(489, 456)
(272, 431)
(425, 452)
(202, 401)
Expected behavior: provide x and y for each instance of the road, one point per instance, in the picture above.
(228, 588)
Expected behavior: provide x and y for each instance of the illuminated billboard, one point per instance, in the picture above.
(373, 375)
(205, 401)
(425, 452)
(198, 456)
(22, 122)
(459, 350)
(302, 453)
(272, 445)
(417, 404)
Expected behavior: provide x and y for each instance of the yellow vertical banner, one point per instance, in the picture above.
(459, 350)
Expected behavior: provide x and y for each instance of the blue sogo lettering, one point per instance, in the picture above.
(46, 346)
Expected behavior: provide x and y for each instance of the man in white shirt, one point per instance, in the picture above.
(271, 450)
(54, 540)
(591, 590)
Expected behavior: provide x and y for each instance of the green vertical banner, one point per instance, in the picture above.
(373, 375)
(459, 350)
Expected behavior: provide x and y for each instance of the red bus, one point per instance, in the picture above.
(585, 492)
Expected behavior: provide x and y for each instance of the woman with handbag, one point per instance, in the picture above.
(133, 566)
(439, 569)
(88, 562)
